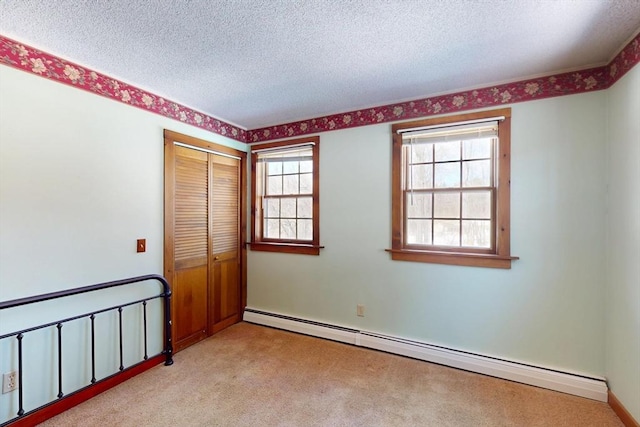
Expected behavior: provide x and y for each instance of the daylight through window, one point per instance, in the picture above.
(449, 186)
(285, 202)
(451, 190)
(286, 178)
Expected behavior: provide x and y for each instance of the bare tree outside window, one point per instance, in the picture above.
(285, 203)
(451, 190)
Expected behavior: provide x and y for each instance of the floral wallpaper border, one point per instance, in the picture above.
(29, 59)
(525, 90)
(18, 55)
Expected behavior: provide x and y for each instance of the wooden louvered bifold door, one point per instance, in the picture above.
(204, 257)
(203, 252)
(225, 235)
(191, 245)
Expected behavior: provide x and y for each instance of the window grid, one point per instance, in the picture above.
(288, 200)
(297, 196)
(432, 190)
(494, 203)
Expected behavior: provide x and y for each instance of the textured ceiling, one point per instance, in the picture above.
(255, 63)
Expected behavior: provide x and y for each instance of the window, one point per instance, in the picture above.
(285, 196)
(450, 190)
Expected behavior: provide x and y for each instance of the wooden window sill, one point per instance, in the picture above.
(453, 258)
(289, 248)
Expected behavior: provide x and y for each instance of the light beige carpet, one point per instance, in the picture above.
(249, 375)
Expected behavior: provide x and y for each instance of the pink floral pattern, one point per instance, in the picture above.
(32, 60)
(526, 90)
(37, 62)
(625, 60)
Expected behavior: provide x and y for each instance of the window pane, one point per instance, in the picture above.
(418, 232)
(447, 175)
(422, 153)
(421, 177)
(306, 166)
(418, 205)
(476, 149)
(445, 196)
(305, 207)
(306, 183)
(288, 208)
(290, 167)
(274, 168)
(305, 229)
(288, 229)
(290, 184)
(272, 229)
(446, 205)
(476, 173)
(285, 182)
(272, 209)
(447, 151)
(476, 204)
(274, 185)
(476, 234)
(446, 232)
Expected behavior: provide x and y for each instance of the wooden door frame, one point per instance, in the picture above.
(170, 138)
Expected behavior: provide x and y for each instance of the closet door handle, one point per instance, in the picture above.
(216, 258)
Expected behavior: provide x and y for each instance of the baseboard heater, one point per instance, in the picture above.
(578, 385)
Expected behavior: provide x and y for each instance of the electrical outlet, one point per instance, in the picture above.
(360, 310)
(9, 382)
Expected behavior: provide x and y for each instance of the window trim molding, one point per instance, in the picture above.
(295, 247)
(502, 257)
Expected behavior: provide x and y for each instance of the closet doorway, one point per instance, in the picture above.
(204, 235)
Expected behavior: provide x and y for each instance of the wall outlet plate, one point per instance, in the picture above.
(9, 382)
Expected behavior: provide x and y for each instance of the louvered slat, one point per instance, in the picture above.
(191, 225)
(225, 207)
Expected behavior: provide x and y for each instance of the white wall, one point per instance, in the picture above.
(623, 241)
(81, 178)
(546, 310)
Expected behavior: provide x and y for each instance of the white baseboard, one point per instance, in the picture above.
(592, 388)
